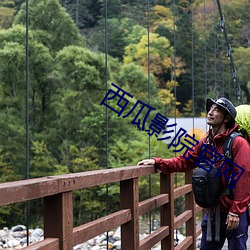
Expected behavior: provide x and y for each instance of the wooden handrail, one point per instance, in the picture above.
(58, 208)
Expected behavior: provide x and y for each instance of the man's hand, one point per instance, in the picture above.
(146, 162)
(232, 221)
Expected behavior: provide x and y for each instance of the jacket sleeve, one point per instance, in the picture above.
(181, 163)
(241, 157)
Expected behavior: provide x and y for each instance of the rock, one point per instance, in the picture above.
(111, 239)
(80, 246)
(13, 243)
(91, 242)
(117, 234)
(19, 234)
(100, 238)
(23, 240)
(95, 248)
(103, 243)
(38, 232)
(117, 244)
(111, 233)
(18, 247)
(3, 233)
(16, 238)
(18, 228)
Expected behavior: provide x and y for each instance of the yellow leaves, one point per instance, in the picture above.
(199, 133)
(188, 109)
(179, 66)
(6, 17)
(160, 53)
(161, 12)
(169, 100)
(203, 114)
(172, 84)
(161, 16)
(166, 96)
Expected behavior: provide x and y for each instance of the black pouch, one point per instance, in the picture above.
(206, 187)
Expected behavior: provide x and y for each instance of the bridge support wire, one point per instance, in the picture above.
(229, 54)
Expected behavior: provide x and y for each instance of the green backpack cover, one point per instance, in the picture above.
(243, 118)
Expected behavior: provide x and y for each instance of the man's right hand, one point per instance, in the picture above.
(146, 162)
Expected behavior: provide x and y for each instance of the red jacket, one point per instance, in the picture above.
(241, 157)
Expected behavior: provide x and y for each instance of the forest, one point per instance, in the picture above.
(170, 55)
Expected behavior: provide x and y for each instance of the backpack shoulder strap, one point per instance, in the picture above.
(227, 147)
(227, 151)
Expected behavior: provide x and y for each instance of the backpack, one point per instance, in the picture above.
(243, 120)
(206, 187)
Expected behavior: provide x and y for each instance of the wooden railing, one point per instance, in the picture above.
(56, 192)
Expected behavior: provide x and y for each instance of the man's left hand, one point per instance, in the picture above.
(232, 222)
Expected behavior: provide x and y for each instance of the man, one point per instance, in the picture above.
(221, 115)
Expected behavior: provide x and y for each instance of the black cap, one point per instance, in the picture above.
(223, 103)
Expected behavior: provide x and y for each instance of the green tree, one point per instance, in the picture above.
(42, 163)
(117, 32)
(135, 81)
(84, 13)
(6, 17)
(241, 56)
(13, 60)
(53, 25)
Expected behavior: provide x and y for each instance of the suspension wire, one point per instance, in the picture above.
(229, 54)
(215, 53)
(27, 206)
(149, 148)
(205, 53)
(192, 23)
(107, 120)
(220, 64)
(174, 74)
(229, 83)
(175, 93)
(205, 50)
(222, 69)
(223, 80)
(77, 13)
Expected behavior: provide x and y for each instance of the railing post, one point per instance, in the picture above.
(167, 210)
(190, 205)
(129, 198)
(58, 219)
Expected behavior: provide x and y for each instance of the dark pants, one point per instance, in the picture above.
(237, 238)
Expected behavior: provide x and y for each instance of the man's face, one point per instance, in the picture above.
(215, 116)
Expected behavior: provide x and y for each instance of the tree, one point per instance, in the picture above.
(6, 17)
(132, 78)
(242, 64)
(161, 16)
(53, 25)
(78, 75)
(40, 60)
(117, 32)
(84, 13)
(161, 62)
